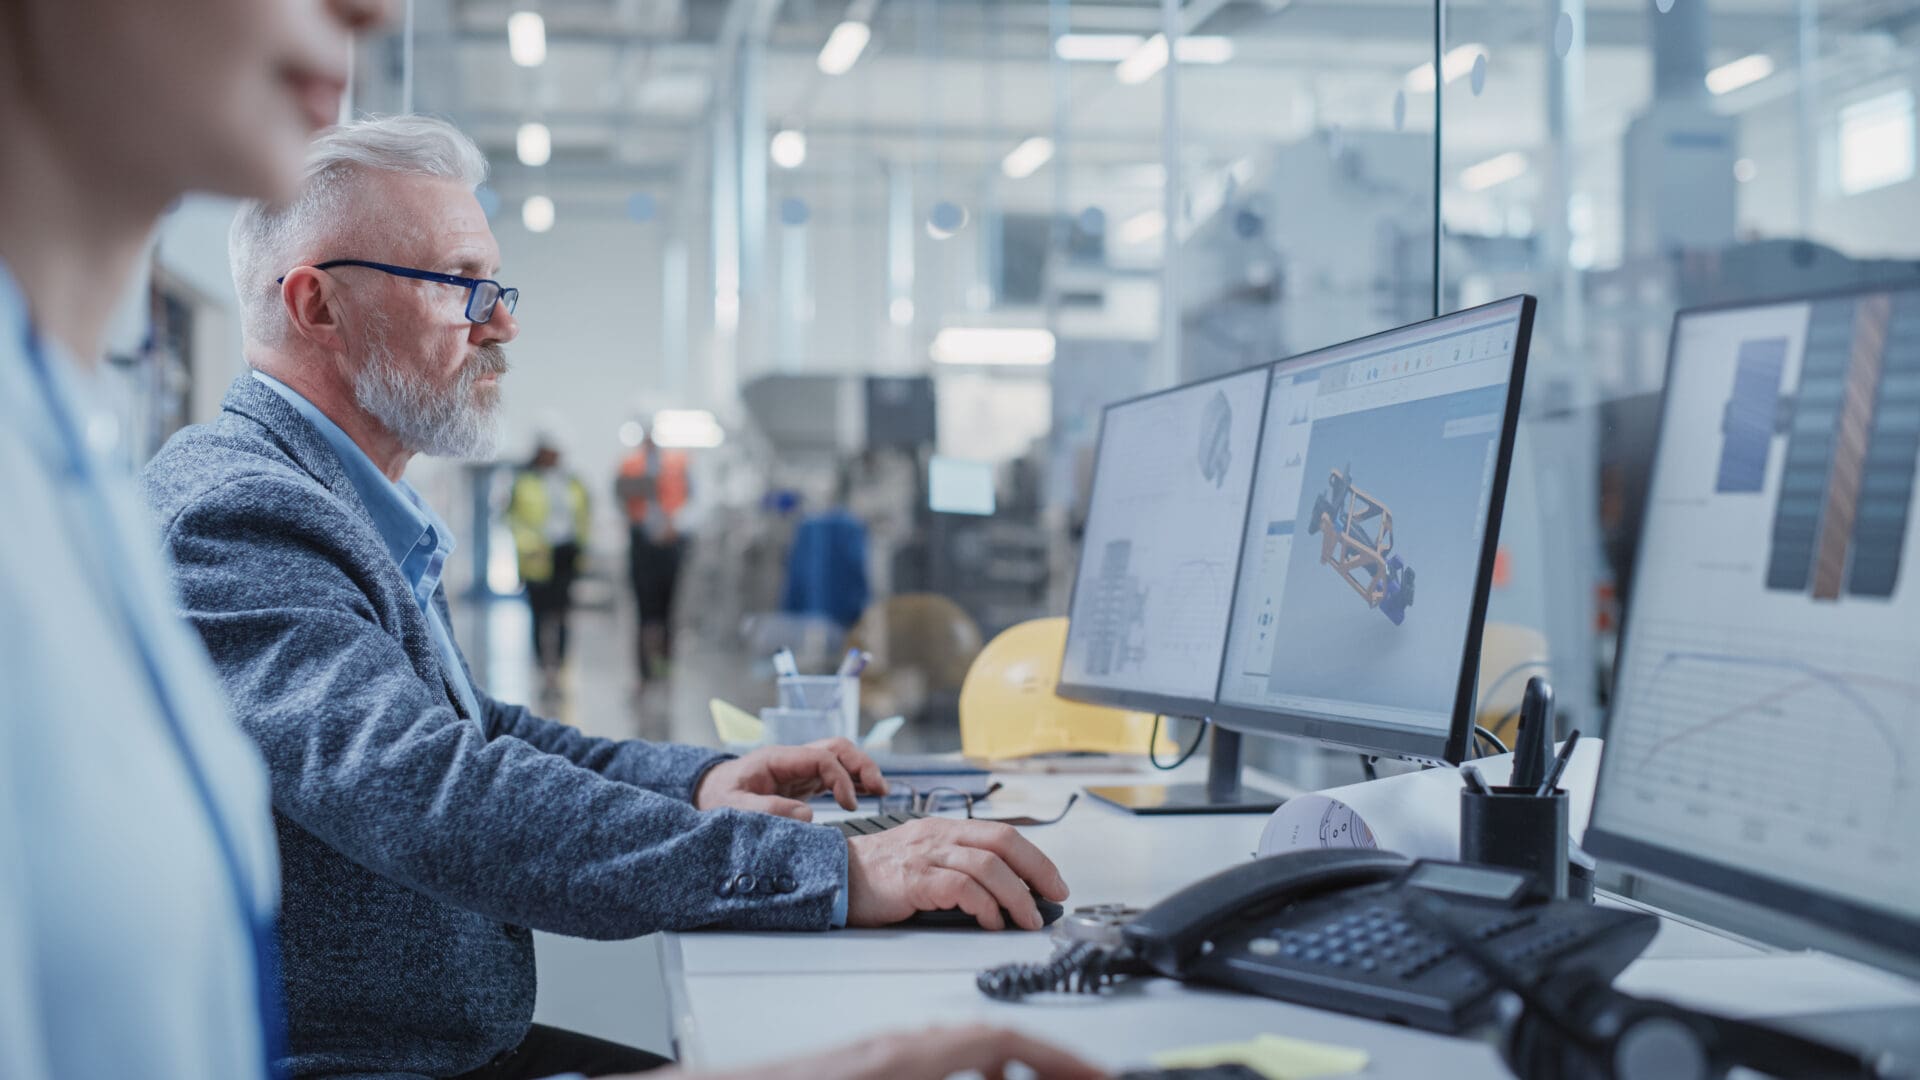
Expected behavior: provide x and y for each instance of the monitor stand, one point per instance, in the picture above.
(1221, 794)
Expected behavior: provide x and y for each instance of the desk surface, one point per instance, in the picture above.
(741, 998)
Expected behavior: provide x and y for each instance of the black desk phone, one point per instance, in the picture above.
(1329, 929)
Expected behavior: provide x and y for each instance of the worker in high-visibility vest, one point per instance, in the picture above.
(550, 516)
(654, 488)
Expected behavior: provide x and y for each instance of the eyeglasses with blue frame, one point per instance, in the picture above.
(482, 293)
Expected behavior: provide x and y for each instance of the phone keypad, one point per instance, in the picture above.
(1382, 939)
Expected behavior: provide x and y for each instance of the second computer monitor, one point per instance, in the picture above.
(1370, 536)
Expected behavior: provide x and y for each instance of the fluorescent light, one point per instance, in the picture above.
(1735, 74)
(534, 143)
(537, 213)
(993, 345)
(843, 47)
(1876, 142)
(1027, 158)
(527, 38)
(687, 429)
(1145, 62)
(1096, 48)
(1141, 228)
(1203, 50)
(1456, 63)
(788, 149)
(1493, 171)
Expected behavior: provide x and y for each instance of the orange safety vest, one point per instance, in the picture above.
(670, 483)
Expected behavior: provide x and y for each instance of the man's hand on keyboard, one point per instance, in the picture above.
(936, 864)
(779, 779)
(933, 1054)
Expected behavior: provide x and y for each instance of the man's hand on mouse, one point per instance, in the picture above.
(935, 864)
(780, 779)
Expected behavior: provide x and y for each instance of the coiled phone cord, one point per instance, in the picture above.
(1080, 968)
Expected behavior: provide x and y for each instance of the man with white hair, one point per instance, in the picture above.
(424, 826)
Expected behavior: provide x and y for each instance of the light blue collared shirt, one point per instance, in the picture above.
(416, 537)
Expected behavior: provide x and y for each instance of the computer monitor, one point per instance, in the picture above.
(1371, 533)
(1149, 609)
(1764, 743)
(955, 486)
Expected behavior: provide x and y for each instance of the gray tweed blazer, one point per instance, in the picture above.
(417, 843)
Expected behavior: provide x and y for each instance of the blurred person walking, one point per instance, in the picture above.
(654, 488)
(551, 517)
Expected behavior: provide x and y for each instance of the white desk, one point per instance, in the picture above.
(742, 998)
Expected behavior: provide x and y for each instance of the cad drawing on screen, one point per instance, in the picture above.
(1341, 518)
(1216, 432)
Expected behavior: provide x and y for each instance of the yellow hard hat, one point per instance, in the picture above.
(1008, 707)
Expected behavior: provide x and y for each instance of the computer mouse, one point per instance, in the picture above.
(954, 917)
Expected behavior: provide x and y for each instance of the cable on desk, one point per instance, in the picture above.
(1366, 766)
(1486, 736)
(1080, 968)
(1154, 739)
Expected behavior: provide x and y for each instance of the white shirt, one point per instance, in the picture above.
(124, 951)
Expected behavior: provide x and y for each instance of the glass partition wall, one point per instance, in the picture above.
(1014, 211)
(1160, 191)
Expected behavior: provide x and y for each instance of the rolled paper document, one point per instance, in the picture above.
(1416, 814)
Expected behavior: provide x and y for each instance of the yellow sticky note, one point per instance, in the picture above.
(735, 725)
(1274, 1056)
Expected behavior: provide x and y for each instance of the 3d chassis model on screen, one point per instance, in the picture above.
(1340, 518)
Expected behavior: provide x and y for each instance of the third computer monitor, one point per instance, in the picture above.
(1370, 536)
(1765, 736)
(1150, 601)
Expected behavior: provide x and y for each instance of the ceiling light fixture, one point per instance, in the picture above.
(527, 38)
(1145, 63)
(843, 47)
(537, 213)
(1096, 48)
(1735, 74)
(1494, 171)
(534, 144)
(1027, 158)
(1457, 63)
(788, 149)
(1143, 228)
(1205, 49)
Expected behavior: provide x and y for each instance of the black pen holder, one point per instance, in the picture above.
(1514, 828)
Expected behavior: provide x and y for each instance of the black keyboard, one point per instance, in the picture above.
(873, 823)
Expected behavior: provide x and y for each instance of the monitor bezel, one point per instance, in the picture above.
(1144, 700)
(1347, 732)
(1876, 931)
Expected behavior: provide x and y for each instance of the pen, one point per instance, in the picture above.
(1472, 777)
(852, 664)
(1559, 763)
(784, 665)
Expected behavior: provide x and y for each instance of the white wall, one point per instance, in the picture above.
(588, 355)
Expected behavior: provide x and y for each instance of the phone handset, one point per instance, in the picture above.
(1168, 937)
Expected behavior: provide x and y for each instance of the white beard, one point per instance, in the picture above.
(458, 423)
